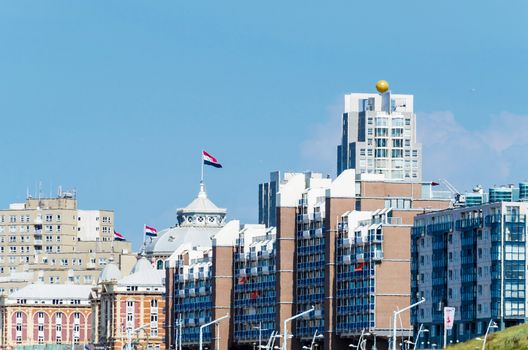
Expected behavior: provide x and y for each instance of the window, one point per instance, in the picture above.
(49, 218)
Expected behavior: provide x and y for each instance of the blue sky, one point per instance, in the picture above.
(118, 98)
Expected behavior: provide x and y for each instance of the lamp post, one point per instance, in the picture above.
(129, 335)
(491, 324)
(260, 334)
(420, 331)
(285, 336)
(179, 324)
(360, 341)
(207, 325)
(396, 313)
(312, 344)
(269, 344)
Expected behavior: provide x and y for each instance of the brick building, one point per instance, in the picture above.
(57, 314)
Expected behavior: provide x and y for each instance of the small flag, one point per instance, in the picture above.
(118, 236)
(255, 294)
(359, 266)
(210, 160)
(150, 231)
(242, 280)
(435, 183)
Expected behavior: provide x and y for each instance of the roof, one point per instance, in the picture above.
(52, 291)
(143, 274)
(110, 273)
(198, 222)
(201, 204)
(170, 239)
(17, 277)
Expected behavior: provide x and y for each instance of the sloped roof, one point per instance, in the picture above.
(53, 291)
(201, 204)
(143, 274)
(170, 239)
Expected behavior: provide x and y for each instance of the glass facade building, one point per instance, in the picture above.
(472, 258)
(310, 248)
(254, 286)
(193, 288)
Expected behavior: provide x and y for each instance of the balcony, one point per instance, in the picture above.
(305, 218)
(181, 293)
(242, 273)
(514, 218)
(469, 223)
(306, 234)
(377, 255)
(264, 270)
(346, 259)
(183, 278)
(254, 271)
(191, 322)
(202, 291)
(192, 292)
(360, 257)
(394, 221)
(317, 216)
(264, 254)
(319, 232)
(361, 239)
(443, 227)
(37, 242)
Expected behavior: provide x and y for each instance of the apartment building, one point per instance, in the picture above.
(254, 298)
(279, 182)
(129, 306)
(379, 135)
(53, 315)
(51, 241)
(472, 258)
(200, 285)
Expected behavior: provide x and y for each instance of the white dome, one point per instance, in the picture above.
(142, 265)
(110, 273)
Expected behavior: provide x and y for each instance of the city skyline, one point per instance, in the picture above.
(165, 82)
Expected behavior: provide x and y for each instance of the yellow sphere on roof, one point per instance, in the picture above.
(382, 86)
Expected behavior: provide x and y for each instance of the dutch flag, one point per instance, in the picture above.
(210, 160)
(118, 236)
(150, 231)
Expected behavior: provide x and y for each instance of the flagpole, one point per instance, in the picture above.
(145, 235)
(202, 164)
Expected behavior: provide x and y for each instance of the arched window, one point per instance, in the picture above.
(159, 265)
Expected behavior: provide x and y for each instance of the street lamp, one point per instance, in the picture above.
(491, 324)
(285, 336)
(396, 313)
(129, 335)
(260, 333)
(420, 331)
(178, 334)
(361, 342)
(312, 344)
(207, 325)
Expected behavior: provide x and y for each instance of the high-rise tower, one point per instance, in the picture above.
(379, 135)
